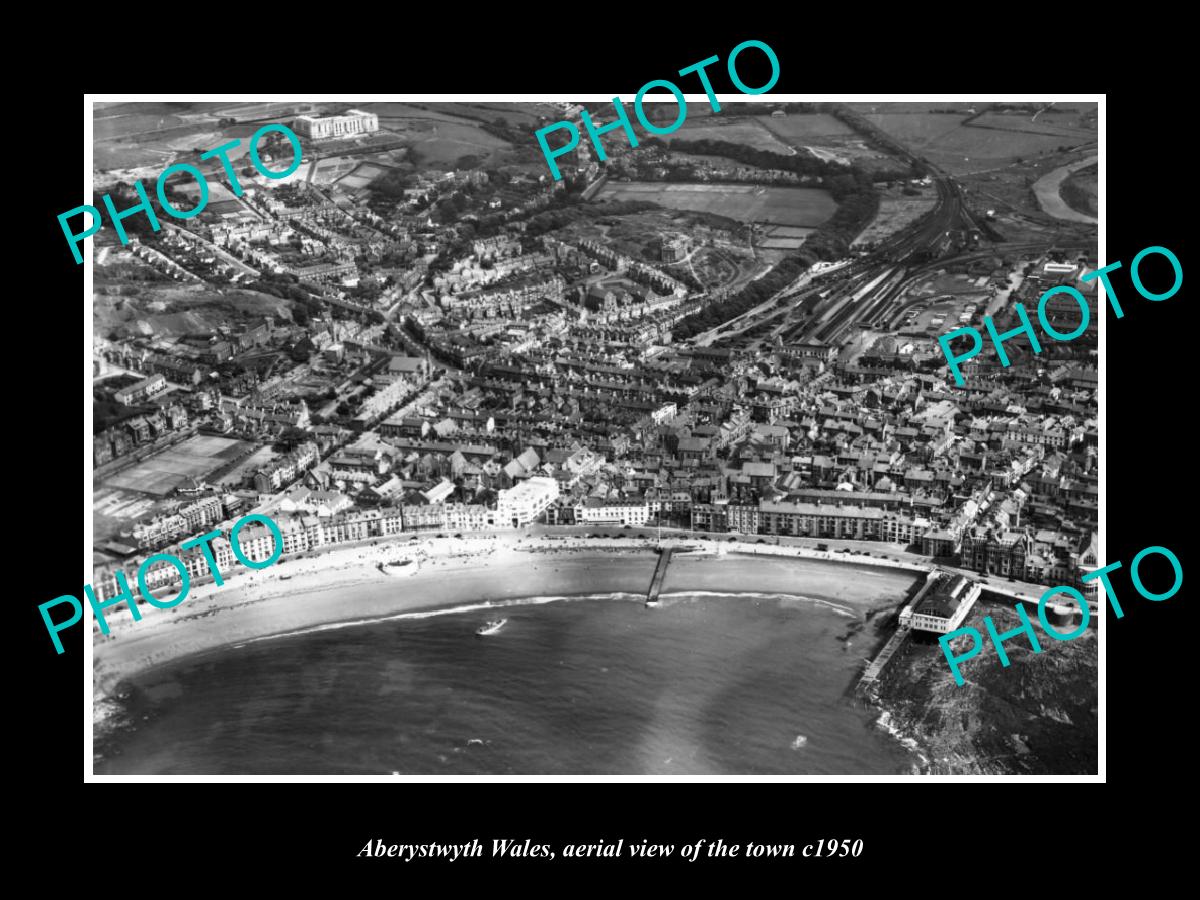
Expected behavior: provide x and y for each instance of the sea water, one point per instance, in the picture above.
(699, 684)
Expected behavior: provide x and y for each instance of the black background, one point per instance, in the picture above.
(292, 829)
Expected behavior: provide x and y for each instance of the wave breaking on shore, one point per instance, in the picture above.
(444, 611)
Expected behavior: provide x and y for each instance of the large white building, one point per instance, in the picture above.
(525, 501)
(353, 121)
(942, 604)
(664, 413)
(635, 514)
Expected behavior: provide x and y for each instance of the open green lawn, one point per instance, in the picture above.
(805, 207)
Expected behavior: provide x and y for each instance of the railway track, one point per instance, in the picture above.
(893, 265)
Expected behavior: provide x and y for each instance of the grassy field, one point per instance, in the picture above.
(807, 207)
(749, 131)
(124, 126)
(441, 112)
(517, 115)
(911, 106)
(136, 140)
(440, 141)
(960, 149)
(1065, 124)
(445, 143)
(109, 108)
(107, 157)
(804, 129)
(917, 129)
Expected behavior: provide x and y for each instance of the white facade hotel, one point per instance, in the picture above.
(525, 501)
(353, 121)
(634, 514)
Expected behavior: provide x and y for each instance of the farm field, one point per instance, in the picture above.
(517, 115)
(806, 207)
(107, 108)
(1070, 125)
(124, 126)
(107, 157)
(917, 129)
(412, 111)
(447, 142)
(136, 140)
(912, 106)
(439, 143)
(963, 149)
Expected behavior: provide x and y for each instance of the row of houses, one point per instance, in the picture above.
(515, 507)
(798, 519)
(189, 519)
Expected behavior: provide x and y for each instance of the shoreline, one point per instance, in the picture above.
(347, 586)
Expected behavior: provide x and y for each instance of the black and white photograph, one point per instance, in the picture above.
(749, 435)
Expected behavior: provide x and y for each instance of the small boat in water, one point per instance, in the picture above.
(491, 627)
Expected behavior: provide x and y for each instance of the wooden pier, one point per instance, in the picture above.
(660, 573)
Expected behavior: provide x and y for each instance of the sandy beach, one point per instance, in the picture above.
(347, 584)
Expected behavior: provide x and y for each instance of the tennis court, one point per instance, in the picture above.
(162, 473)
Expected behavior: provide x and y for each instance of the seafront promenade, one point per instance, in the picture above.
(348, 584)
(353, 581)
